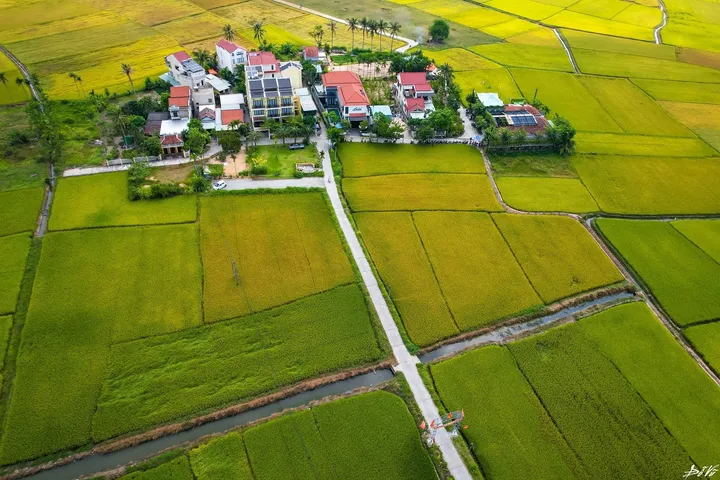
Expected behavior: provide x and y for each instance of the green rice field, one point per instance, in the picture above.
(20, 210)
(101, 201)
(13, 255)
(679, 274)
(705, 339)
(323, 441)
(546, 194)
(574, 400)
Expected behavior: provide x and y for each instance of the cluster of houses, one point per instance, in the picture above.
(274, 90)
(514, 117)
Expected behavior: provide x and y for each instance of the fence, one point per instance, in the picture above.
(129, 161)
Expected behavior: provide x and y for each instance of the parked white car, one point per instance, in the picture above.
(219, 185)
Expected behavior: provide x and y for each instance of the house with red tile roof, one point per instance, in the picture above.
(521, 117)
(184, 71)
(344, 91)
(179, 103)
(311, 54)
(262, 65)
(410, 89)
(230, 55)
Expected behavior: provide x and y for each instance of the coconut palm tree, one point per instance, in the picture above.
(20, 82)
(352, 26)
(127, 70)
(253, 137)
(201, 56)
(229, 32)
(332, 25)
(364, 23)
(372, 30)
(382, 26)
(80, 81)
(258, 31)
(395, 28)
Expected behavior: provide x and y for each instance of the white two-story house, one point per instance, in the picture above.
(230, 55)
(414, 94)
(185, 71)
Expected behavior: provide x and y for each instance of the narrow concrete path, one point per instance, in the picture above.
(248, 184)
(658, 29)
(409, 43)
(567, 49)
(407, 364)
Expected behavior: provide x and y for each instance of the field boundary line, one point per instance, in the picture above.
(407, 363)
(565, 45)
(432, 268)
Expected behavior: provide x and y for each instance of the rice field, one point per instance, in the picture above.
(248, 356)
(13, 256)
(546, 194)
(528, 9)
(530, 56)
(397, 251)
(679, 274)
(543, 37)
(368, 159)
(705, 339)
(496, 80)
(128, 283)
(21, 209)
(101, 201)
(702, 119)
(635, 66)
(323, 441)
(566, 95)
(621, 144)
(579, 21)
(703, 233)
(604, 43)
(651, 185)
(575, 400)
(420, 191)
(557, 254)
(295, 232)
(6, 324)
(461, 60)
(687, 91)
(475, 268)
(9, 91)
(632, 109)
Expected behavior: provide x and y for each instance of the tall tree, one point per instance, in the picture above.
(332, 25)
(201, 56)
(364, 23)
(74, 79)
(253, 137)
(318, 33)
(258, 31)
(20, 82)
(228, 32)
(4, 80)
(80, 82)
(395, 28)
(127, 70)
(352, 26)
(372, 30)
(382, 27)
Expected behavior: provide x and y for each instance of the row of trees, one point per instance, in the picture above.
(370, 27)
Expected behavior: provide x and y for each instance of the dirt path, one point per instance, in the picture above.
(565, 45)
(647, 297)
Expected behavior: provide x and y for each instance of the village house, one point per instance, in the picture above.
(179, 103)
(231, 109)
(414, 94)
(293, 71)
(270, 98)
(491, 101)
(344, 91)
(220, 85)
(521, 117)
(262, 65)
(230, 55)
(184, 71)
(203, 98)
(313, 54)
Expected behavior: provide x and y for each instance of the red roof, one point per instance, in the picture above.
(312, 52)
(353, 94)
(414, 105)
(168, 140)
(178, 102)
(423, 87)
(413, 78)
(207, 113)
(230, 115)
(227, 45)
(334, 79)
(542, 122)
(523, 108)
(179, 92)
(262, 58)
(180, 56)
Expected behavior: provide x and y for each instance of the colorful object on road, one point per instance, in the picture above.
(451, 420)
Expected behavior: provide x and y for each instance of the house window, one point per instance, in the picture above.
(272, 102)
(274, 113)
(287, 102)
(258, 103)
(258, 113)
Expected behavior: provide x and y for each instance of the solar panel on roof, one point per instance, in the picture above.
(523, 120)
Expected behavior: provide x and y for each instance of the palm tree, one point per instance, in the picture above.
(228, 32)
(20, 82)
(352, 26)
(80, 81)
(127, 70)
(447, 75)
(234, 125)
(364, 23)
(258, 31)
(201, 56)
(395, 28)
(3, 80)
(372, 30)
(381, 25)
(253, 137)
(332, 25)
